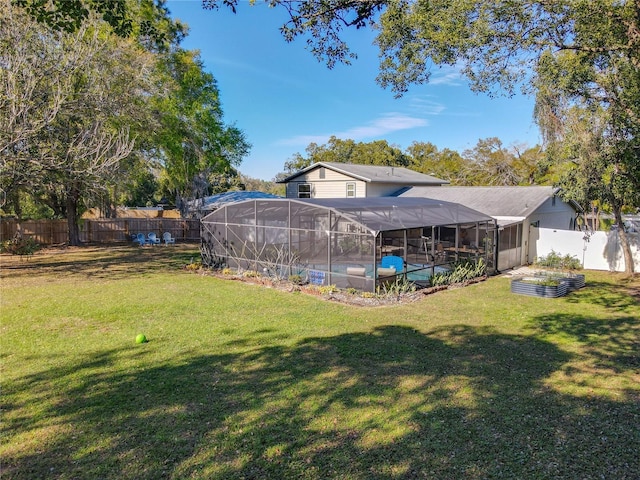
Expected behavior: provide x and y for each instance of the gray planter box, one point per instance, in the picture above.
(574, 281)
(522, 287)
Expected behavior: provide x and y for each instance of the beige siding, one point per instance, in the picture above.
(337, 188)
(334, 185)
(329, 176)
(328, 188)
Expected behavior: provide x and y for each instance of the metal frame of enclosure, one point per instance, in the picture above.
(344, 242)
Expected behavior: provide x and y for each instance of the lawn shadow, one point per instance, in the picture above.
(456, 402)
(611, 343)
(618, 297)
(113, 262)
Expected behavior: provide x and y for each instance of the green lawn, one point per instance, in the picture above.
(242, 381)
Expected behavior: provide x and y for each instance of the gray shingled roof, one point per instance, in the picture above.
(494, 201)
(374, 174)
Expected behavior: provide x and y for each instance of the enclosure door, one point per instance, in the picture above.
(510, 247)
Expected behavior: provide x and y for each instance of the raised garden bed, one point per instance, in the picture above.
(574, 281)
(535, 287)
(547, 284)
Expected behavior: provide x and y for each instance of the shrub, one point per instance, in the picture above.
(399, 287)
(461, 271)
(194, 266)
(543, 281)
(20, 246)
(296, 279)
(327, 289)
(556, 260)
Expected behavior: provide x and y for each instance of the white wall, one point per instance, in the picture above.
(598, 251)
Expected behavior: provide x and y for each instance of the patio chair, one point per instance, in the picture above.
(386, 272)
(356, 277)
(393, 261)
(153, 239)
(140, 239)
(386, 276)
(441, 254)
(168, 239)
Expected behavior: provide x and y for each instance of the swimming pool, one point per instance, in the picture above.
(415, 272)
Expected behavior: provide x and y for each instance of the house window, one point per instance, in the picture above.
(304, 190)
(351, 190)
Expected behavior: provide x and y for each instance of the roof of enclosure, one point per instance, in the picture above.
(382, 214)
(216, 201)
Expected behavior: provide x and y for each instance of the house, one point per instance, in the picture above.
(515, 209)
(343, 180)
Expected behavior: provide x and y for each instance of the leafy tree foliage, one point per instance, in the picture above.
(446, 164)
(195, 148)
(139, 186)
(378, 152)
(91, 118)
(146, 20)
(257, 185)
(588, 106)
(66, 148)
(491, 164)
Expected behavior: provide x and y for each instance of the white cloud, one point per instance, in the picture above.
(385, 124)
(447, 75)
(426, 106)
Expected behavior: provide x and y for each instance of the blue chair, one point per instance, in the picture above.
(140, 239)
(168, 239)
(153, 239)
(393, 261)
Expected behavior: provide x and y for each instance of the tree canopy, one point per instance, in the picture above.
(93, 113)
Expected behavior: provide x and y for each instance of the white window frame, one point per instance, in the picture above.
(351, 189)
(304, 194)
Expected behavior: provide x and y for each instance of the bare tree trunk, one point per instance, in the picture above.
(624, 242)
(72, 218)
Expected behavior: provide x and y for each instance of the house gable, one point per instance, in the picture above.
(338, 180)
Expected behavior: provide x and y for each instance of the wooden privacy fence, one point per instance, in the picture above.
(106, 230)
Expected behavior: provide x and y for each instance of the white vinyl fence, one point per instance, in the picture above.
(595, 250)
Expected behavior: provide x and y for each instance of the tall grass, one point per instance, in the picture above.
(242, 381)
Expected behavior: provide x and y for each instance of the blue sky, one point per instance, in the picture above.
(283, 98)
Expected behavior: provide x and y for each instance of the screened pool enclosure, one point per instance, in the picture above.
(356, 242)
